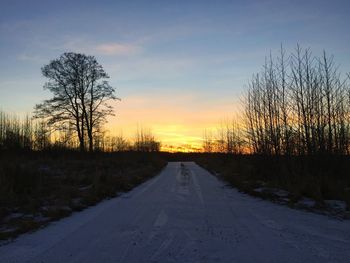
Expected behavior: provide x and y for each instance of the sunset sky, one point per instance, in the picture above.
(179, 67)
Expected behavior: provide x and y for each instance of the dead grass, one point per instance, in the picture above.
(319, 178)
(43, 186)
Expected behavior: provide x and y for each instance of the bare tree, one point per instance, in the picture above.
(41, 135)
(119, 144)
(80, 96)
(145, 141)
(208, 144)
(299, 105)
(228, 138)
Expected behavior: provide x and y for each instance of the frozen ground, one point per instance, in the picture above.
(186, 215)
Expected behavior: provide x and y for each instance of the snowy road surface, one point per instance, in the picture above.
(185, 215)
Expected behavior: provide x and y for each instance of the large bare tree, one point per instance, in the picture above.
(81, 96)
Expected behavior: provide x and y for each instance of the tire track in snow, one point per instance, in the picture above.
(197, 187)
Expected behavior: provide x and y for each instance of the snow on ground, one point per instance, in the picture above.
(185, 215)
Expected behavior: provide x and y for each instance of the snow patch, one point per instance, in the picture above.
(306, 203)
(336, 205)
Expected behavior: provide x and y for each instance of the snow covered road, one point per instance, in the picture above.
(185, 215)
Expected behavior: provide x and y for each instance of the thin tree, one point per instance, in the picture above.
(300, 105)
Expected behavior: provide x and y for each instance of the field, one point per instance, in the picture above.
(39, 187)
(315, 183)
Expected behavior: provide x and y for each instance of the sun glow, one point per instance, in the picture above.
(174, 138)
(177, 122)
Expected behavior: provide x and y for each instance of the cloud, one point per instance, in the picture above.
(117, 49)
(31, 58)
(86, 45)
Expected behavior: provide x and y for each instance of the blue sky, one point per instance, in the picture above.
(178, 66)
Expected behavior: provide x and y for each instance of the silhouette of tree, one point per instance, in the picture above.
(145, 141)
(80, 96)
(298, 105)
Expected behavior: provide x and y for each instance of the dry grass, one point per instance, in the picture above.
(38, 187)
(318, 178)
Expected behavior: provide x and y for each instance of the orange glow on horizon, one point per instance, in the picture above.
(178, 123)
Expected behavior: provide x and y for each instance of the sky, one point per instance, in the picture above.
(179, 67)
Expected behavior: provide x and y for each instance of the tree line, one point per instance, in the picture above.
(74, 117)
(36, 135)
(299, 104)
(226, 138)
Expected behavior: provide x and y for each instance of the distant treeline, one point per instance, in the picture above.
(299, 104)
(228, 137)
(26, 134)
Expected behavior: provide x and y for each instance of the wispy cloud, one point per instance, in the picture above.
(81, 44)
(117, 49)
(32, 58)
